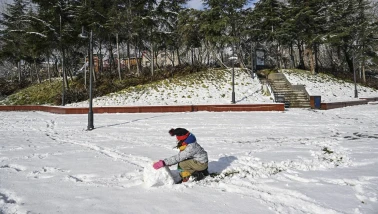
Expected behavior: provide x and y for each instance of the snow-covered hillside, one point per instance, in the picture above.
(330, 89)
(215, 87)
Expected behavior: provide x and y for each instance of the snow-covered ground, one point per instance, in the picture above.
(297, 161)
(216, 88)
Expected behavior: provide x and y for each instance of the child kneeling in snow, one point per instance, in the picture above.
(192, 159)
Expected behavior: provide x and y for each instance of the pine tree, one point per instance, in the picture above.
(173, 10)
(13, 35)
(220, 23)
(348, 27)
(267, 20)
(309, 18)
(189, 29)
(365, 38)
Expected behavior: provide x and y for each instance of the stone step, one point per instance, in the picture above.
(280, 84)
(289, 91)
(299, 99)
(294, 96)
(282, 88)
(300, 106)
(278, 81)
(299, 103)
(296, 100)
(291, 95)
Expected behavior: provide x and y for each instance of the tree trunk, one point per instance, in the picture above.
(65, 80)
(56, 67)
(311, 60)
(137, 55)
(100, 65)
(30, 72)
(208, 57)
(152, 59)
(156, 57)
(36, 71)
(19, 70)
(252, 47)
(119, 60)
(292, 58)
(139, 62)
(301, 56)
(363, 70)
(48, 68)
(111, 57)
(165, 57)
(222, 57)
(216, 57)
(279, 58)
(330, 54)
(348, 59)
(192, 56)
(128, 57)
(316, 59)
(178, 56)
(173, 58)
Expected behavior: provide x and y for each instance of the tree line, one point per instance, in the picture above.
(338, 35)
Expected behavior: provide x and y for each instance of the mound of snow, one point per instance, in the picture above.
(155, 178)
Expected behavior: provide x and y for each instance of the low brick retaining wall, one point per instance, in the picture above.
(184, 108)
(370, 99)
(148, 109)
(327, 106)
(315, 103)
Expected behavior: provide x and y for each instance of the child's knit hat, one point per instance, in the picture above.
(181, 133)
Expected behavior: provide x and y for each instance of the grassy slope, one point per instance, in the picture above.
(47, 93)
(37, 94)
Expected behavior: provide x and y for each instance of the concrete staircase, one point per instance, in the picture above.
(294, 96)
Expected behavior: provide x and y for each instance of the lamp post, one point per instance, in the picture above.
(90, 112)
(63, 72)
(354, 76)
(253, 64)
(233, 58)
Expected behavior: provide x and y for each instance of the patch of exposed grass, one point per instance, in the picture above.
(38, 94)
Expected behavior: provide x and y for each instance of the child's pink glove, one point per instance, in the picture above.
(158, 164)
